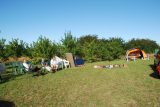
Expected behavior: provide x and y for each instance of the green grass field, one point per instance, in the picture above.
(134, 86)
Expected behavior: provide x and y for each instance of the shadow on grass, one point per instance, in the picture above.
(8, 77)
(5, 103)
(154, 73)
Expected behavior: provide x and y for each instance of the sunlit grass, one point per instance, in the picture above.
(87, 87)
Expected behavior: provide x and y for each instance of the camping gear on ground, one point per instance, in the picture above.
(135, 53)
(78, 61)
(111, 66)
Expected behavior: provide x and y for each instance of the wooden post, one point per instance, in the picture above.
(69, 57)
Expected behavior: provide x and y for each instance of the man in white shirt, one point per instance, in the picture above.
(27, 66)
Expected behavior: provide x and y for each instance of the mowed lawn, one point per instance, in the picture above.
(134, 86)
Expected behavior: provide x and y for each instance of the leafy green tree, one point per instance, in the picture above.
(87, 47)
(87, 39)
(116, 47)
(69, 43)
(145, 44)
(16, 48)
(110, 49)
(2, 48)
(43, 47)
(60, 50)
(102, 52)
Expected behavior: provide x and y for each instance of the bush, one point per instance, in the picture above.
(145, 44)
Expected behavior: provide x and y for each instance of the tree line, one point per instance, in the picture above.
(89, 47)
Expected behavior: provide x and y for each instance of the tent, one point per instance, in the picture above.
(136, 53)
(78, 61)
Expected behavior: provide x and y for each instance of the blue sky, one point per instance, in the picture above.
(28, 19)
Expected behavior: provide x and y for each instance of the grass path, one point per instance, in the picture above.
(87, 87)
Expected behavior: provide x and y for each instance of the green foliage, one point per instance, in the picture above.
(36, 60)
(87, 39)
(69, 43)
(43, 71)
(43, 47)
(88, 46)
(145, 44)
(94, 49)
(116, 47)
(2, 48)
(16, 48)
(102, 51)
(60, 50)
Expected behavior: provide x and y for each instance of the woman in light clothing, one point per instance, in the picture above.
(53, 63)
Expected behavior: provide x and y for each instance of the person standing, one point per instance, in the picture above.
(53, 63)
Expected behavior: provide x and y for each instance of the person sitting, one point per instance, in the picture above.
(53, 63)
(26, 65)
(47, 67)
